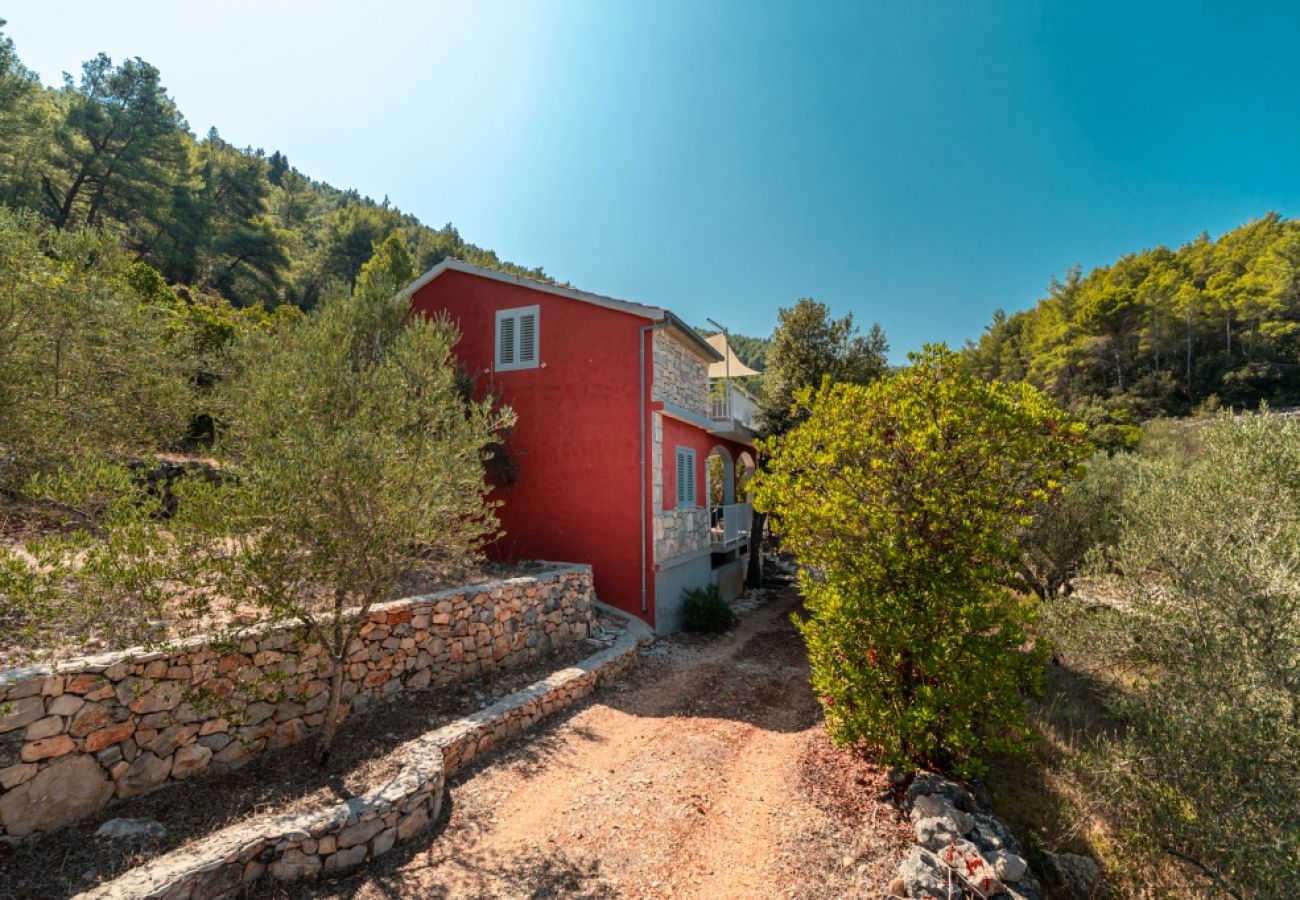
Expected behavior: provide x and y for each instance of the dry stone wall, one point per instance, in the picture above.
(77, 734)
(339, 837)
(962, 850)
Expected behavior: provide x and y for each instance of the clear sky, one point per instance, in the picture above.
(919, 164)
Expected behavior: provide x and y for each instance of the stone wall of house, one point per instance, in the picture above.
(334, 838)
(77, 734)
(676, 531)
(681, 375)
(679, 532)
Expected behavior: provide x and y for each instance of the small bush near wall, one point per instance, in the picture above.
(703, 609)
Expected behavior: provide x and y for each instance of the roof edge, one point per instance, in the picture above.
(653, 313)
(694, 336)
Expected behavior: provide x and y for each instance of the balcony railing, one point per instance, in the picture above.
(729, 524)
(731, 404)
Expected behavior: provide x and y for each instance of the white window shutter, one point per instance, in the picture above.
(690, 478)
(517, 340)
(528, 338)
(506, 341)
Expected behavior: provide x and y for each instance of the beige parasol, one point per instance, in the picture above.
(732, 366)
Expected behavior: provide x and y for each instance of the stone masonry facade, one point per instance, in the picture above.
(681, 374)
(77, 734)
(677, 532)
(335, 838)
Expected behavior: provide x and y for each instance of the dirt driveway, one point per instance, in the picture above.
(705, 773)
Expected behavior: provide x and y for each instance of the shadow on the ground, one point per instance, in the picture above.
(436, 869)
(1074, 712)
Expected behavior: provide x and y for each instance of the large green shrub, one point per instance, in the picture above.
(902, 499)
(87, 368)
(1202, 641)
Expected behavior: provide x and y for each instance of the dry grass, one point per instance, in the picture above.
(1052, 804)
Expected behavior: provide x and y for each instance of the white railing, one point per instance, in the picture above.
(730, 403)
(729, 524)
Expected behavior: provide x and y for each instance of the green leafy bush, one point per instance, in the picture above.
(902, 500)
(1079, 520)
(1201, 647)
(703, 609)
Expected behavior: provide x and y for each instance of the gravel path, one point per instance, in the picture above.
(705, 773)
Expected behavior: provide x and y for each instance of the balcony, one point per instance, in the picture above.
(729, 525)
(733, 411)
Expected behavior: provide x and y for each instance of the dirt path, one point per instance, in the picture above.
(704, 774)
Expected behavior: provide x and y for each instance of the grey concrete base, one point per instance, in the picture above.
(730, 578)
(671, 581)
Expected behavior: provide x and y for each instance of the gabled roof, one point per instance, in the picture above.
(653, 313)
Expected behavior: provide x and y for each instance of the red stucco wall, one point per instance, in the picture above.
(577, 436)
(682, 434)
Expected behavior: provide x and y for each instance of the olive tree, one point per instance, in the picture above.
(87, 366)
(1202, 644)
(1079, 521)
(352, 457)
(901, 500)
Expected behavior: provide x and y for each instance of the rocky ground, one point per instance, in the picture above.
(705, 773)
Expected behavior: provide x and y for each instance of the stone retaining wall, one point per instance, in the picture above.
(82, 732)
(297, 846)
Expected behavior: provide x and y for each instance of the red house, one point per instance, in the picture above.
(616, 423)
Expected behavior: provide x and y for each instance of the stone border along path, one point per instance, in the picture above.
(293, 846)
(962, 850)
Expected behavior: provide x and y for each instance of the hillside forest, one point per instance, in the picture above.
(110, 149)
(1161, 332)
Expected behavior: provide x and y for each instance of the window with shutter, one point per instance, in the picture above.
(685, 478)
(516, 339)
(528, 338)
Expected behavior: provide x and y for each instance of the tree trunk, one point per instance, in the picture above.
(331, 725)
(337, 648)
(754, 575)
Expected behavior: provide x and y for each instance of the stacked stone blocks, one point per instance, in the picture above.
(79, 733)
(305, 845)
(681, 374)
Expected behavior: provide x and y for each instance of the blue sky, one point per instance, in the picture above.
(918, 164)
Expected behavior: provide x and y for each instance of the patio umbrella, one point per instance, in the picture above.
(732, 366)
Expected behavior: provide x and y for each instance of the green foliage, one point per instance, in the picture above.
(104, 576)
(1202, 647)
(391, 265)
(809, 346)
(112, 150)
(86, 366)
(902, 499)
(1160, 331)
(116, 151)
(704, 610)
(1081, 518)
